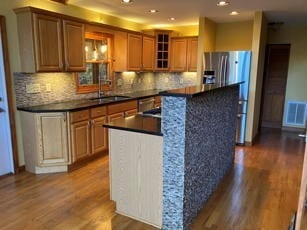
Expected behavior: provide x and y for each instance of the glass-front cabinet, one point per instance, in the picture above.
(98, 54)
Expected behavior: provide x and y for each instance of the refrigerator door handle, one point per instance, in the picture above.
(225, 68)
(221, 69)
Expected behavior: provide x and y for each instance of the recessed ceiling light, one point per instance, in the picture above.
(223, 3)
(153, 11)
(126, 1)
(172, 19)
(234, 13)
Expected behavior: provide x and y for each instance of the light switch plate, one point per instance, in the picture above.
(33, 88)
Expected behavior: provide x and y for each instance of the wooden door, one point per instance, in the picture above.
(52, 134)
(192, 54)
(134, 52)
(48, 43)
(74, 43)
(99, 135)
(178, 60)
(148, 55)
(80, 143)
(274, 85)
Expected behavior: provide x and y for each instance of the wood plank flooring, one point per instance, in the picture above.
(260, 192)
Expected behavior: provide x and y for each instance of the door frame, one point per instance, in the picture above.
(263, 83)
(9, 92)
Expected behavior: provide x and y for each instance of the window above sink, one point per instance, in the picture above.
(98, 53)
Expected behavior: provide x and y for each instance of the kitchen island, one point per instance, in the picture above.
(181, 169)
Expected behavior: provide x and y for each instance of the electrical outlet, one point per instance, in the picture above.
(181, 81)
(48, 87)
(33, 88)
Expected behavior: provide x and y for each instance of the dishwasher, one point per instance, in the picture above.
(146, 104)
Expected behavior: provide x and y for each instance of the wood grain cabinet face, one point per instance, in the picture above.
(184, 54)
(134, 52)
(52, 134)
(116, 116)
(148, 53)
(80, 140)
(48, 43)
(120, 51)
(99, 135)
(74, 52)
(178, 54)
(192, 54)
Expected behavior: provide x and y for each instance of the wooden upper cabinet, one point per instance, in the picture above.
(46, 39)
(178, 61)
(120, 51)
(74, 39)
(192, 54)
(48, 43)
(134, 52)
(148, 53)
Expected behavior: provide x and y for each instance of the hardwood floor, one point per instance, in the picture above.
(259, 193)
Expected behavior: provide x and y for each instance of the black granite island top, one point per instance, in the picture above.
(197, 90)
(75, 105)
(137, 123)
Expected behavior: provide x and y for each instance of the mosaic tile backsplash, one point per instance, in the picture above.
(58, 87)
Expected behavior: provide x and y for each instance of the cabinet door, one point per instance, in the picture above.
(192, 54)
(80, 143)
(48, 43)
(99, 135)
(120, 51)
(134, 52)
(148, 55)
(115, 116)
(52, 134)
(178, 54)
(74, 46)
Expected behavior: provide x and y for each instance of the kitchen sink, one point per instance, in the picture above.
(110, 98)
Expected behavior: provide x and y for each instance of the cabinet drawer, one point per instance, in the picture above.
(131, 112)
(99, 111)
(79, 116)
(115, 116)
(121, 107)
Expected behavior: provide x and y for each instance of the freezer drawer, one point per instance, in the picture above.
(240, 131)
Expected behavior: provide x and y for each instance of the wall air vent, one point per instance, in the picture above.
(296, 113)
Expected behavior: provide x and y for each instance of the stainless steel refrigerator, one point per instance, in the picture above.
(230, 67)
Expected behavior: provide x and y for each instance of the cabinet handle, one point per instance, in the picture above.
(93, 122)
(89, 124)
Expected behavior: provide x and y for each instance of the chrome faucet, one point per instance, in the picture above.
(100, 81)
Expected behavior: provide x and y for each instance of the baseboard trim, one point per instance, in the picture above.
(251, 143)
(20, 169)
(6, 175)
(293, 129)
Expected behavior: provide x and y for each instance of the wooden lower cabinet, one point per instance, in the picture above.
(80, 140)
(131, 112)
(99, 135)
(45, 142)
(88, 137)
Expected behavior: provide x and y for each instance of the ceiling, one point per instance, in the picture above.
(187, 12)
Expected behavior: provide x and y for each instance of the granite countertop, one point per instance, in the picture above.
(137, 123)
(86, 103)
(193, 91)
